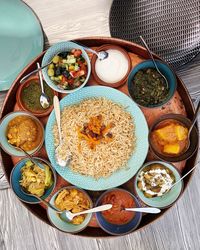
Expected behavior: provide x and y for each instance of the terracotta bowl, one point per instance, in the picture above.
(20, 103)
(193, 138)
(93, 61)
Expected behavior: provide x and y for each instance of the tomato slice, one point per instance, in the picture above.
(76, 74)
(77, 53)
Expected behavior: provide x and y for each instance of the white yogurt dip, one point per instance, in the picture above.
(113, 68)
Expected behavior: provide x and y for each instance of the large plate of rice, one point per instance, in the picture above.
(109, 164)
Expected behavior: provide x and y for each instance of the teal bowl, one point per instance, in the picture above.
(164, 69)
(167, 199)
(56, 49)
(65, 226)
(7, 147)
(15, 177)
(121, 229)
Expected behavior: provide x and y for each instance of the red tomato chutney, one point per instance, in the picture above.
(120, 200)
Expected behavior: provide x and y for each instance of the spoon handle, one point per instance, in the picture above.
(28, 156)
(154, 62)
(56, 105)
(195, 116)
(48, 204)
(150, 210)
(40, 77)
(95, 209)
(185, 175)
(150, 53)
(33, 72)
(87, 48)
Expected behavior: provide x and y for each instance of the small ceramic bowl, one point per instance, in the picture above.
(56, 49)
(7, 147)
(39, 113)
(165, 200)
(193, 138)
(65, 226)
(165, 70)
(93, 61)
(15, 177)
(121, 229)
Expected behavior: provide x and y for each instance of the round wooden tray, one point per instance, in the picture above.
(181, 103)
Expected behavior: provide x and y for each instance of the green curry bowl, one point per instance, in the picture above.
(148, 96)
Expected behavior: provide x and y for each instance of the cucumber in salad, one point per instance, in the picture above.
(68, 70)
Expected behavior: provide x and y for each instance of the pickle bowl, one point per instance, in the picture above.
(62, 224)
(16, 176)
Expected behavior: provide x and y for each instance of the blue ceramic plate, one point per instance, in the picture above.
(167, 199)
(56, 49)
(165, 70)
(134, 163)
(7, 147)
(62, 225)
(21, 40)
(15, 177)
(118, 229)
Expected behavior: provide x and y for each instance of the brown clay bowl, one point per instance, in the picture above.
(38, 113)
(93, 61)
(193, 138)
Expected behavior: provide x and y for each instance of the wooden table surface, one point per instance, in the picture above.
(178, 229)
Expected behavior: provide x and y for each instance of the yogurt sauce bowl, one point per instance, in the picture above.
(114, 70)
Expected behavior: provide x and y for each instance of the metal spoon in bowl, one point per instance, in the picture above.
(68, 216)
(40, 199)
(35, 162)
(193, 123)
(150, 210)
(154, 62)
(61, 162)
(101, 54)
(44, 99)
(33, 72)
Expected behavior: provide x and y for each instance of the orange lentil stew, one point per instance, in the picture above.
(24, 132)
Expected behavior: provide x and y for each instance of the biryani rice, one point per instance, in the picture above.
(106, 158)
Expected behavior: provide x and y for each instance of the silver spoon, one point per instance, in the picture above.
(44, 99)
(35, 162)
(68, 216)
(61, 162)
(33, 72)
(183, 177)
(150, 210)
(193, 123)
(101, 54)
(40, 199)
(154, 62)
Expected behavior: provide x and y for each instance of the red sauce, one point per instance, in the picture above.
(120, 200)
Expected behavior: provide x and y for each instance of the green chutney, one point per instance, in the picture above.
(31, 95)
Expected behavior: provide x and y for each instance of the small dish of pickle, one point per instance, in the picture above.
(75, 200)
(26, 177)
